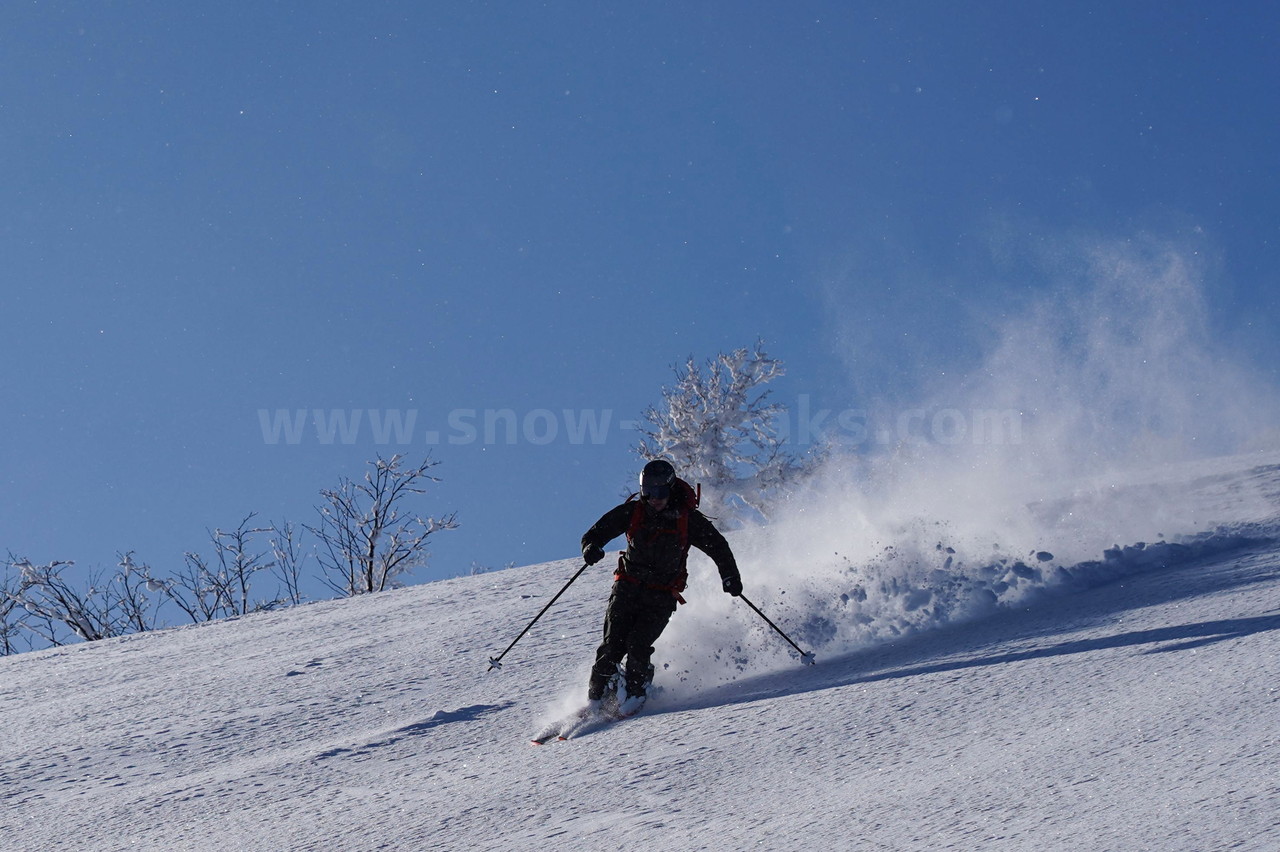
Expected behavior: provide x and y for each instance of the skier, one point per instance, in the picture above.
(660, 524)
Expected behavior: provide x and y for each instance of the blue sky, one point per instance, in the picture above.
(437, 210)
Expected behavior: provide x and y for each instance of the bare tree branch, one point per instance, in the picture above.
(12, 614)
(137, 612)
(367, 541)
(54, 605)
(209, 589)
(289, 560)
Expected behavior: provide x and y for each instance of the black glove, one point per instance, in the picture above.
(733, 585)
(592, 553)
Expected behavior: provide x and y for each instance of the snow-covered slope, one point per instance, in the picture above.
(963, 698)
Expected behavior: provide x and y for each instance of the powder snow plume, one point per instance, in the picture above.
(1114, 385)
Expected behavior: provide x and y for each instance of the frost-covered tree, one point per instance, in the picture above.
(208, 588)
(289, 560)
(194, 588)
(237, 564)
(718, 427)
(53, 605)
(11, 611)
(367, 541)
(138, 601)
(58, 609)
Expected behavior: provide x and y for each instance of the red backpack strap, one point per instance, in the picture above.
(637, 518)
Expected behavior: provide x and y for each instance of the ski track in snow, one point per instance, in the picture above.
(1128, 702)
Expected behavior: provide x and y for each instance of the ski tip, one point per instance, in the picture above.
(537, 742)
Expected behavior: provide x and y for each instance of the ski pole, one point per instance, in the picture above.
(496, 662)
(805, 657)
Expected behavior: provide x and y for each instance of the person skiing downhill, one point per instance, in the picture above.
(660, 523)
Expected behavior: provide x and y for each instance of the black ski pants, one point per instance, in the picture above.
(634, 620)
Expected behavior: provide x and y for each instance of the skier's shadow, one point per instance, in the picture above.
(415, 729)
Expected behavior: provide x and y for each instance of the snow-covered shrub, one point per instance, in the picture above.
(366, 541)
(718, 427)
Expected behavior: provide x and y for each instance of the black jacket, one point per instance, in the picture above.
(654, 556)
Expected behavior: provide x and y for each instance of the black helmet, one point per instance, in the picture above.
(657, 478)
